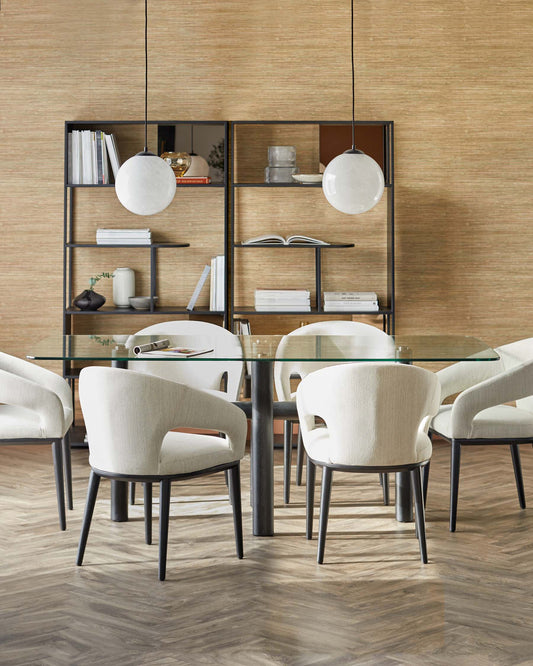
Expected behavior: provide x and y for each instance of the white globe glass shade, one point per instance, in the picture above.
(199, 167)
(353, 183)
(145, 184)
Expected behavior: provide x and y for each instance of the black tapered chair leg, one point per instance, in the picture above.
(425, 481)
(419, 513)
(455, 467)
(92, 492)
(234, 474)
(57, 455)
(384, 479)
(67, 465)
(517, 466)
(164, 512)
(325, 496)
(132, 493)
(310, 499)
(300, 454)
(287, 460)
(148, 513)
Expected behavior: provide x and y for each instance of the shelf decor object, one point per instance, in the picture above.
(145, 184)
(353, 182)
(199, 168)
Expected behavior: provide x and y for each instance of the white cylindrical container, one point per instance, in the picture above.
(123, 287)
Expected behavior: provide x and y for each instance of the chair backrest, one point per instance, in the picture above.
(199, 374)
(284, 369)
(517, 353)
(127, 415)
(374, 413)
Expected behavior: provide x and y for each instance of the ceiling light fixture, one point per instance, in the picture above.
(353, 182)
(145, 184)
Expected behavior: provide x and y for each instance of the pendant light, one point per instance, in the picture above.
(145, 184)
(353, 182)
(199, 167)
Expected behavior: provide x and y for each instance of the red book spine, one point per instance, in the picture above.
(184, 180)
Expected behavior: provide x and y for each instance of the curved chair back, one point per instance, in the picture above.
(127, 415)
(199, 374)
(284, 370)
(375, 414)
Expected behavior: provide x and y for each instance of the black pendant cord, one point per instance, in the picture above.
(353, 86)
(145, 76)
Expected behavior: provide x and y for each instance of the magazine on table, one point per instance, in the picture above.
(177, 351)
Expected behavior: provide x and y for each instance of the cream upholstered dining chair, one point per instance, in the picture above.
(130, 419)
(284, 370)
(221, 378)
(479, 414)
(375, 419)
(37, 408)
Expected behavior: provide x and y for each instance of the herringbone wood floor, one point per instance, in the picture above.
(372, 602)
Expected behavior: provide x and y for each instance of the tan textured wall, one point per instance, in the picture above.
(456, 77)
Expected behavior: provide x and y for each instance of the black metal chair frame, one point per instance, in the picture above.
(455, 466)
(165, 482)
(62, 466)
(419, 492)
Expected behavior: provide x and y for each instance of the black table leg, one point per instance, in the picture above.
(262, 445)
(119, 489)
(404, 498)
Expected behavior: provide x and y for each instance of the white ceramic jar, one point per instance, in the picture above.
(123, 287)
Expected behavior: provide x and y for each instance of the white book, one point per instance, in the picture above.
(350, 308)
(298, 307)
(86, 158)
(75, 177)
(112, 151)
(283, 292)
(99, 144)
(198, 288)
(351, 304)
(123, 232)
(213, 285)
(265, 300)
(93, 156)
(123, 241)
(350, 295)
(275, 239)
(221, 283)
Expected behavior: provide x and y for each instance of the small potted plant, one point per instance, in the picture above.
(89, 299)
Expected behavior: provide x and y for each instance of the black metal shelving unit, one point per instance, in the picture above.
(72, 244)
(387, 305)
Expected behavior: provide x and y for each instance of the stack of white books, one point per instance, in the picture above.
(89, 155)
(341, 301)
(282, 300)
(123, 236)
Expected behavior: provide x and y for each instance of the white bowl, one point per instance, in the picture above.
(307, 178)
(141, 302)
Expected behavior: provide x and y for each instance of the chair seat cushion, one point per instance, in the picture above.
(19, 423)
(318, 448)
(183, 453)
(502, 421)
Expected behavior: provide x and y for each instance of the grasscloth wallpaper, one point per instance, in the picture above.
(455, 77)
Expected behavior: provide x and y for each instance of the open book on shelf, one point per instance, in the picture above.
(275, 239)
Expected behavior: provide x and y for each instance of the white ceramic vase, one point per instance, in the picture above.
(123, 287)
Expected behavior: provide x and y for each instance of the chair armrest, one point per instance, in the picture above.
(465, 374)
(22, 392)
(513, 384)
(42, 376)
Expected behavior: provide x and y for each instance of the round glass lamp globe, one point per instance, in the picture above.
(145, 184)
(199, 167)
(353, 183)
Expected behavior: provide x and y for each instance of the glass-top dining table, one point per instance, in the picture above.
(262, 351)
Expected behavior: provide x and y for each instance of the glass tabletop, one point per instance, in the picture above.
(414, 348)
